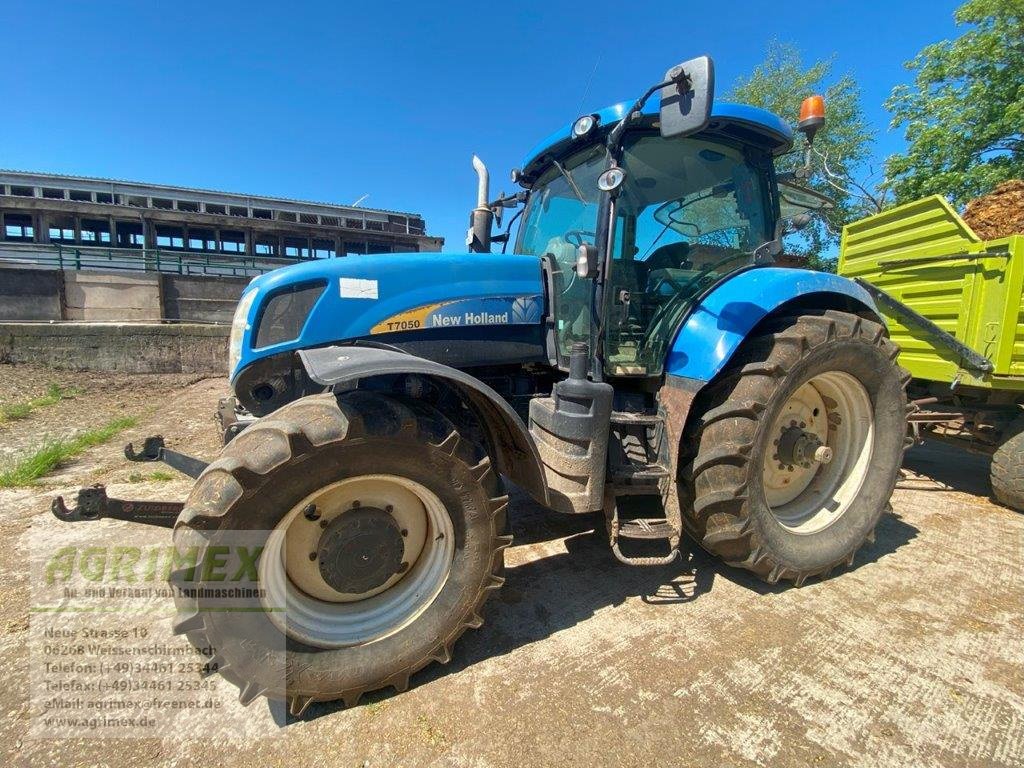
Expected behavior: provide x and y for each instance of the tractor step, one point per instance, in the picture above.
(638, 479)
(649, 529)
(639, 474)
(634, 468)
(631, 418)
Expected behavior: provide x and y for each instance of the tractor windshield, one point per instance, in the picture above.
(562, 213)
(690, 212)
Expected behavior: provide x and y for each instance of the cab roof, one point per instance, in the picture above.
(743, 122)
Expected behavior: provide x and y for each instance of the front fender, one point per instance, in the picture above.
(724, 318)
(517, 455)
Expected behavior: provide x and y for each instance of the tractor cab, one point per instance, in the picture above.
(689, 210)
(682, 211)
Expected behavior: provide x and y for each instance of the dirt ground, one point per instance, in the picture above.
(915, 656)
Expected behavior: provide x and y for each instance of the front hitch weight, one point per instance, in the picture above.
(94, 504)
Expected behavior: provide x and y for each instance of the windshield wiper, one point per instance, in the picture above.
(568, 177)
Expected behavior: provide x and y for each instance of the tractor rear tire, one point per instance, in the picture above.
(370, 446)
(796, 447)
(1007, 472)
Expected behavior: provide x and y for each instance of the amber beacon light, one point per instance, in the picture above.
(812, 115)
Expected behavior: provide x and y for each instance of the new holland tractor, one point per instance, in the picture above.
(638, 341)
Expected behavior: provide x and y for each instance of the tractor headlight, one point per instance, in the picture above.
(611, 179)
(239, 325)
(583, 126)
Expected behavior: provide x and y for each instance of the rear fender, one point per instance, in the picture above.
(725, 317)
(515, 453)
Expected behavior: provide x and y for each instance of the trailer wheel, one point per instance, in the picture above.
(796, 447)
(382, 534)
(1007, 472)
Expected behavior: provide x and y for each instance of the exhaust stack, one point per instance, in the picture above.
(478, 239)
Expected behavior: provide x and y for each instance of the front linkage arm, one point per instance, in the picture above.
(93, 504)
(155, 450)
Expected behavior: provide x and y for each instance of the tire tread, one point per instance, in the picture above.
(311, 424)
(714, 481)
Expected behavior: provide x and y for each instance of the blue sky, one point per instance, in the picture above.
(336, 100)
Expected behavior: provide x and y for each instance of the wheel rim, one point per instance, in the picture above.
(317, 613)
(821, 446)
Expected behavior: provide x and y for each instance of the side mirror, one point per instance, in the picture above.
(586, 260)
(687, 100)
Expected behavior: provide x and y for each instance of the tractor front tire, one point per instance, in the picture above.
(796, 447)
(344, 479)
(1007, 471)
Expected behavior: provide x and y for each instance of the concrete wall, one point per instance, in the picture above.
(201, 299)
(115, 296)
(111, 296)
(31, 294)
(134, 348)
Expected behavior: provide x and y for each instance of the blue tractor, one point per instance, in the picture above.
(639, 341)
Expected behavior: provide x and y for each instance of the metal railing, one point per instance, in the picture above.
(77, 257)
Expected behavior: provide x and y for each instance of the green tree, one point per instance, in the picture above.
(964, 113)
(779, 84)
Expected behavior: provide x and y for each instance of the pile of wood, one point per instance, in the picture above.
(999, 213)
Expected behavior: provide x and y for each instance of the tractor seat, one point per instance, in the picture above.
(669, 256)
(659, 280)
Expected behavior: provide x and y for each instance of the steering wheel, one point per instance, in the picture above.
(576, 236)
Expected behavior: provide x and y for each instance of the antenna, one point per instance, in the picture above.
(590, 80)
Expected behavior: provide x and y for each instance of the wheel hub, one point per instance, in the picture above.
(360, 550)
(799, 447)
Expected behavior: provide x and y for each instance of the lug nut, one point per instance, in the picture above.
(311, 512)
(823, 454)
(312, 555)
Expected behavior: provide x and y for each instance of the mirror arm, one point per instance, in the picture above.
(805, 171)
(506, 236)
(509, 201)
(615, 136)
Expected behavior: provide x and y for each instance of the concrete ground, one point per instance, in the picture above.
(913, 657)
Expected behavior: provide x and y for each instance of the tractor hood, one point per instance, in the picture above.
(392, 298)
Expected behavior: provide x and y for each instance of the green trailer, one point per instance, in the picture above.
(955, 306)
